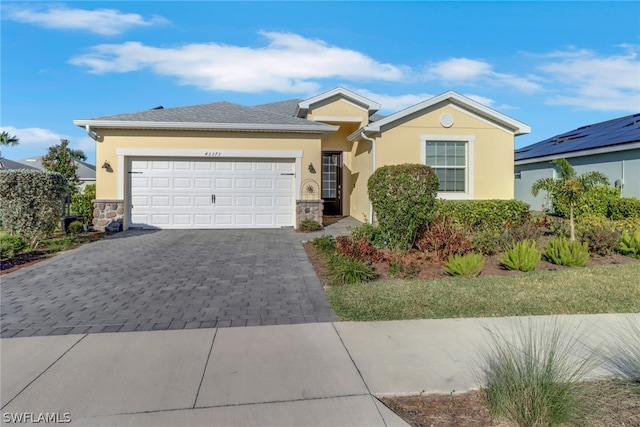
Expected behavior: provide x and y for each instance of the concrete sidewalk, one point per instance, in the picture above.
(323, 374)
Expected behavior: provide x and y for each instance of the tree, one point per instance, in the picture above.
(8, 140)
(570, 188)
(63, 160)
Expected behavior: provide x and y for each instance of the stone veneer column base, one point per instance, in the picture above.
(309, 209)
(106, 213)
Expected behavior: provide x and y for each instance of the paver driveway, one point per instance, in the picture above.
(169, 279)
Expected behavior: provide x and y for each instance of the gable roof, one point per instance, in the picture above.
(518, 128)
(86, 171)
(6, 164)
(612, 135)
(213, 116)
(287, 108)
(337, 93)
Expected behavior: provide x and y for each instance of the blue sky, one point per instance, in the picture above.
(552, 65)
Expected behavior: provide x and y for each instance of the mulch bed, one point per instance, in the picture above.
(29, 258)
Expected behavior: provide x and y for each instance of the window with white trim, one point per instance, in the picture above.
(448, 159)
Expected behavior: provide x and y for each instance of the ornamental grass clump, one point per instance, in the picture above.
(630, 244)
(347, 271)
(532, 378)
(523, 256)
(562, 251)
(469, 265)
(623, 355)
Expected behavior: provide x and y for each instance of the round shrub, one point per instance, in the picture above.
(82, 204)
(403, 199)
(76, 227)
(10, 245)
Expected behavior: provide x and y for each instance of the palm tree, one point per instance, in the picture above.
(570, 187)
(8, 140)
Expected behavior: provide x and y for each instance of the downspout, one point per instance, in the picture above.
(373, 168)
(93, 134)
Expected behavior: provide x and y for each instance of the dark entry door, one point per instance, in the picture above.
(332, 183)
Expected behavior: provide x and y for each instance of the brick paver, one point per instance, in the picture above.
(169, 279)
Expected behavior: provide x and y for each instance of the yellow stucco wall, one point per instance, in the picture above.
(107, 182)
(339, 108)
(492, 154)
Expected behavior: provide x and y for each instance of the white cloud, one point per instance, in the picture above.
(288, 63)
(36, 141)
(472, 71)
(106, 22)
(594, 82)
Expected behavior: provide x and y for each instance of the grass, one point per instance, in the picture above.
(532, 379)
(605, 289)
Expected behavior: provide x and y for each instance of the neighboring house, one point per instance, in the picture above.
(86, 172)
(611, 147)
(224, 165)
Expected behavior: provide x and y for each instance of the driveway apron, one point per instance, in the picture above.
(168, 279)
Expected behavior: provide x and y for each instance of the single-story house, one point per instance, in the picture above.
(86, 172)
(224, 165)
(611, 147)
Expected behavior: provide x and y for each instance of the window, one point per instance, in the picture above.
(448, 159)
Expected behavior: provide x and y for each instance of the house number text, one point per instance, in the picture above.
(212, 153)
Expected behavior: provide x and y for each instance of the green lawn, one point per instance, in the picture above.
(606, 289)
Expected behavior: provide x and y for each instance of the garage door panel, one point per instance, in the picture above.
(169, 193)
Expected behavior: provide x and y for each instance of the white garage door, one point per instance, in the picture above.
(206, 193)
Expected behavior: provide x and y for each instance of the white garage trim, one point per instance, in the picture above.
(211, 153)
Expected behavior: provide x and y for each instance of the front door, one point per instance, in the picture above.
(332, 183)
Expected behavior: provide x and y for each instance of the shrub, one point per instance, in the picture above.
(11, 245)
(308, 225)
(598, 233)
(529, 230)
(82, 204)
(624, 207)
(325, 244)
(403, 267)
(532, 379)
(345, 271)
(595, 201)
(403, 198)
(558, 227)
(442, 237)
(374, 234)
(360, 250)
(630, 244)
(562, 251)
(31, 203)
(469, 265)
(484, 213)
(523, 256)
(76, 227)
(487, 241)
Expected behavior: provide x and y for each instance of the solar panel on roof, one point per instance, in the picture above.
(613, 132)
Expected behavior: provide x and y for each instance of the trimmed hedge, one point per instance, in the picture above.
(596, 201)
(403, 198)
(624, 207)
(31, 203)
(484, 213)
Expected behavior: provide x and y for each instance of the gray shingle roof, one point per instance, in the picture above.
(623, 130)
(86, 171)
(287, 108)
(218, 112)
(6, 164)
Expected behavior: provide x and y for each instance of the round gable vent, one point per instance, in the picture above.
(446, 120)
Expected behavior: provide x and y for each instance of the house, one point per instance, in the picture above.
(224, 165)
(611, 147)
(86, 172)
